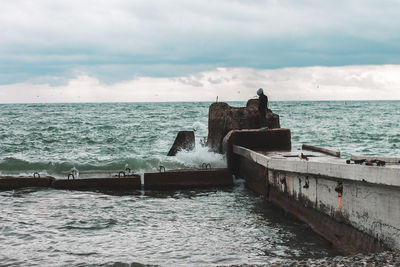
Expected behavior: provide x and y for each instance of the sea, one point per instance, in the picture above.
(213, 227)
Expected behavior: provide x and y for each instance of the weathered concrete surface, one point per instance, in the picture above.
(183, 141)
(254, 174)
(11, 182)
(278, 189)
(191, 178)
(127, 183)
(343, 236)
(265, 140)
(223, 118)
(355, 207)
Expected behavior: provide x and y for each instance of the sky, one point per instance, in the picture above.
(192, 50)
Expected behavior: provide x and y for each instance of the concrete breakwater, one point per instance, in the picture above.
(356, 207)
(195, 178)
(11, 182)
(171, 179)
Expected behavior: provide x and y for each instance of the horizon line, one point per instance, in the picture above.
(185, 101)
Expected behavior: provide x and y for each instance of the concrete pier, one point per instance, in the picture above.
(190, 178)
(356, 207)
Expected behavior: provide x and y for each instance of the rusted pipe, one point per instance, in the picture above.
(339, 188)
(307, 183)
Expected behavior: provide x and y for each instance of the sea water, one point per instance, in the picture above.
(50, 227)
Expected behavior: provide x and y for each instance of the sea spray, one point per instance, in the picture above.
(200, 155)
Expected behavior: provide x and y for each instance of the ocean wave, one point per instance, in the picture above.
(138, 164)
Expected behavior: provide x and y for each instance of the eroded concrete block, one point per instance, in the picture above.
(185, 140)
(224, 118)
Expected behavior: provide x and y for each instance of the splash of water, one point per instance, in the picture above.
(200, 155)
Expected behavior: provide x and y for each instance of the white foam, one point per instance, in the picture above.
(200, 155)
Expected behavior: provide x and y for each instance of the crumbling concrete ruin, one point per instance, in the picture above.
(223, 118)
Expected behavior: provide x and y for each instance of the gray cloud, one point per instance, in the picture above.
(117, 40)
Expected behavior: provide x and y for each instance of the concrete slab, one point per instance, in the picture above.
(188, 178)
(127, 183)
(12, 182)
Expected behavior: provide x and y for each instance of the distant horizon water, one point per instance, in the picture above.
(209, 101)
(54, 137)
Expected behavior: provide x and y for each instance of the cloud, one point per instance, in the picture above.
(229, 84)
(117, 40)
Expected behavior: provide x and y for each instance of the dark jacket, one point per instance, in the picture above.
(262, 104)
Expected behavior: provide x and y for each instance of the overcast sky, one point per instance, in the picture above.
(188, 50)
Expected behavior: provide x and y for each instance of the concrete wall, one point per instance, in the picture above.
(355, 207)
(266, 140)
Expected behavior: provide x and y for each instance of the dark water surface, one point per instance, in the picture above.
(190, 228)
